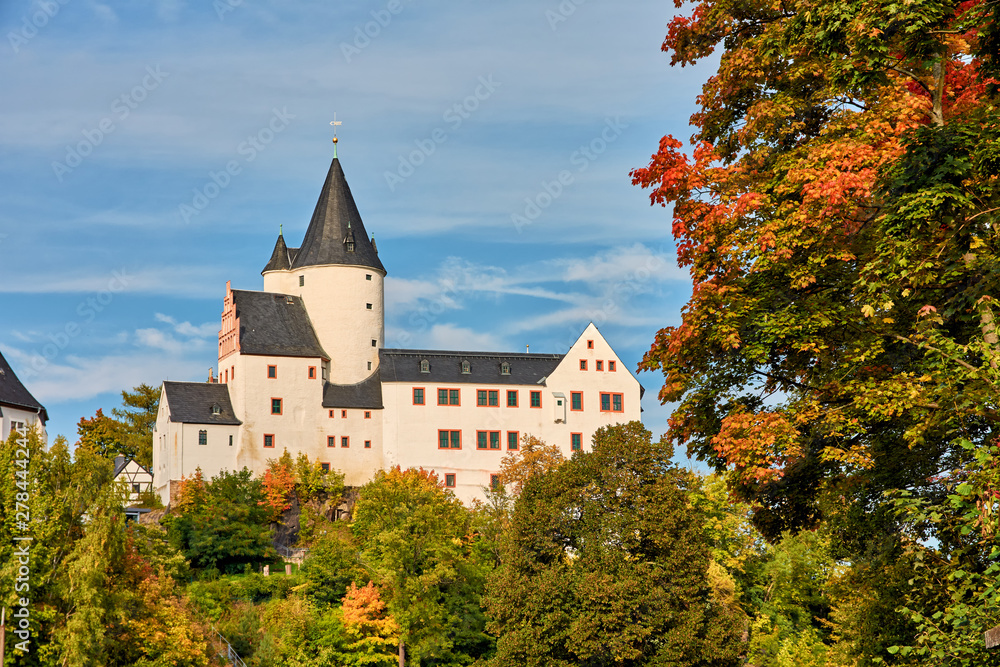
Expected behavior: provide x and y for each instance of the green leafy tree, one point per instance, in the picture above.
(414, 538)
(222, 525)
(333, 564)
(606, 563)
(138, 418)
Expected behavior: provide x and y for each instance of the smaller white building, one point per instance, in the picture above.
(19, 411)
(136, 478)
(195, 428)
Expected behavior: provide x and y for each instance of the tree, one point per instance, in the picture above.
(130, 432)
(415, 541)
(138, 418)
(224, 524)
(838, 215)
(606, 563)
(535, 457)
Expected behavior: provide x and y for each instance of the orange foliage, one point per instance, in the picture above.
(279, 482)
(366, 614)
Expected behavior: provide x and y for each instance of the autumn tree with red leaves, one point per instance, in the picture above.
(837, 210)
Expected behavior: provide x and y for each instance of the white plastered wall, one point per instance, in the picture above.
(11, 415)
(411, 431)
(336, 298)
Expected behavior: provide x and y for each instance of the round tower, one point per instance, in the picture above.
(338, 274)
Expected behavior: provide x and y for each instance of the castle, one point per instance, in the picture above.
(302, 366)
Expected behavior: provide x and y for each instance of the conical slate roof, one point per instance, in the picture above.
(335, 222)
(279, 258)
(13, 393)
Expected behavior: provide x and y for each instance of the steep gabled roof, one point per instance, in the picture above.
(484, 367)
(334, 221)
(366, 394)
(122, 462)
(192, 403)
(275, 325)
(14, 394)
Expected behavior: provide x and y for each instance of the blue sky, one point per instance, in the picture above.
(488, 146)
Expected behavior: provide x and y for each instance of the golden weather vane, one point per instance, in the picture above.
(335, 123)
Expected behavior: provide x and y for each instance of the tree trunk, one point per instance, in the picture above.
(402, 653)
(937, 95)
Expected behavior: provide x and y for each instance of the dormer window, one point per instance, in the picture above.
(425, 366)
(216, 410)
(466, 368)
(505, 368)
(350, 246)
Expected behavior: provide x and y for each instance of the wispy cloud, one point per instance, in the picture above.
(206, 330)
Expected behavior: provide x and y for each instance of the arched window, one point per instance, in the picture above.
(425, 366)
(505, 368)
(466, 367)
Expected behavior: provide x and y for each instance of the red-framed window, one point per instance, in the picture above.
(275, 406)
(345, 441)
(590, 345)
(449, 397)
(227, 375)
(418, 396)
(325, 467)
(513, 440)
(512, 398)
(331, 441)
(576, 401)
(612, 366)
(576, 441)
(368, 444)
(368, 414)
(343, 414)
(449, 439)
(612, 403)
(536, 399)
(600, 365)
(331, 414)
(312, 372)
(449, 480)
(488, 440)
(494, 482)
(232, 372)
(269, 440)
(272, 372)
(583, 364)
(487, 398)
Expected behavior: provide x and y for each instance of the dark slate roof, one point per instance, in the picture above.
(275, 325)
(191, 403)
(366, 394)
(446, 366)
(14, 394)
(121, 462)
(335, 219)
(279, 257)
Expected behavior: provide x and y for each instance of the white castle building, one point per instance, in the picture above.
(302, 367)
